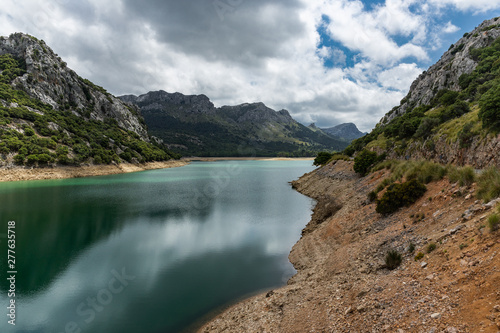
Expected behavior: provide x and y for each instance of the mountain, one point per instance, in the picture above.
(192, 125)
(347, 132)
(50, 115)
(452, 111)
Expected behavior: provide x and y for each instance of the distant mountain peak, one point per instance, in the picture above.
(347, 131)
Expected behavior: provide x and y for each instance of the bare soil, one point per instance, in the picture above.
(61, 172)
(342, 284)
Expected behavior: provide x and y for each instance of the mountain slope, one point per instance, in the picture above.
(192, 125)
(452, 111)
(347, 131)
(50, 115)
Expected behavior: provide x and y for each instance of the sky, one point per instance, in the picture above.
(325, 61)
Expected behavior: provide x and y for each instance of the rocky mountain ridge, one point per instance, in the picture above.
(192, 125)
(51, 116)
(347, 131)
(445, 74)
(49, 80)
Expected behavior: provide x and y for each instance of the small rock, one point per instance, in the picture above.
(497, 308)
(468, 196)
(430, 277)
(436, 315)
(423, 264)
(451, 330)
(349, 310)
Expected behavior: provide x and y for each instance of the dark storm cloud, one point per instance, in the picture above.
(239, 31)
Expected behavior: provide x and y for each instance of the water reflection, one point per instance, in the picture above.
(185, 256)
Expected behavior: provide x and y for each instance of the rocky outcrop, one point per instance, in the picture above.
(49, 80)
(447, 71)
(480, 152)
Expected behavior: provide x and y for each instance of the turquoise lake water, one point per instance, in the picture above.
(148, 252)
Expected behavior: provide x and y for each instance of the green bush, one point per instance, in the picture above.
(431, 247)
(400, 195)
(489, 112)
(372, 196)
(494, 222)
(411, 248)
(322, 158)
(419, 256)
(364, 161)
(465, 176)
(393, 259)
(489, 184)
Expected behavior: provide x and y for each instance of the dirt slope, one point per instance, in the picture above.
(342, 284)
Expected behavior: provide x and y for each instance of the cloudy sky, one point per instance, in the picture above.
(326, 61)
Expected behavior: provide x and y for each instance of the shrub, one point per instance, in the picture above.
(464, 176)
(494, 222)
(393, 259)
(400, 195)
(372, 196)
(426, 126)
(431, 247)
(364, 161)
(489, 184)
(322, 158)
(411, 248)
(419, 256)
(489, 112)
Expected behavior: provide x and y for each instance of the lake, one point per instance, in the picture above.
(148, 252)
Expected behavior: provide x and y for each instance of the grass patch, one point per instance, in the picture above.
(465, 176)
(489, 184)
(494, 222)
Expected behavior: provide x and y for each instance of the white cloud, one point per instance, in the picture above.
(479, 6)
(450, 28)
(261, 50)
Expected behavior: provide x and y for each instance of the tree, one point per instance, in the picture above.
(364, 161)
(322, 158)
(490, 109)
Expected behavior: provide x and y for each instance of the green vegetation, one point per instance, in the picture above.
(489, 184)
(372, 196)
(38, 135)
(400, 195)
(411, 248)
(465, 176)
(494, 222)
(430, 247)
(364, 161)
(479, 90)
(419, 256)
(393, 259)
(322, 158)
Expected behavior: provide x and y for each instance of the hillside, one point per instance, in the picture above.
(51, 116)
(347, 132)
(452, 111)
(343, 283)
(193, 126)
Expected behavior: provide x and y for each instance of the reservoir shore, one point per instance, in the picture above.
(63, 172)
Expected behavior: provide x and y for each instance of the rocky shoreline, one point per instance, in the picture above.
(63, 172)
(342, 284)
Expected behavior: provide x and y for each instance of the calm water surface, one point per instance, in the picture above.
(151, 251)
